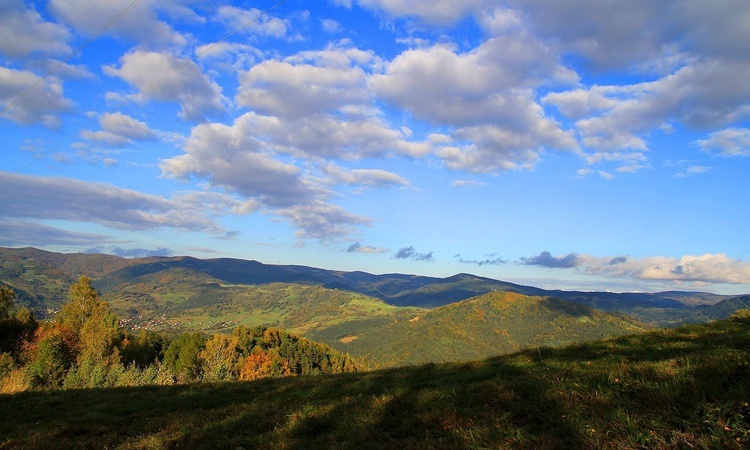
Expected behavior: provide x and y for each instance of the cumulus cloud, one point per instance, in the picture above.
(128, 252)
(119, 129)
(33, 198)
(485, 96)
(707, 268)
(141, 24)
(545, 259)
(23, 31)
(728, 142)
(297, 90)
(41, 105)
(614, 121)
(693, 52)
(232, 157)
(252, 21)
(319, 104)
(411, 253)
(197, 95)
(359, 248)
(641, 32)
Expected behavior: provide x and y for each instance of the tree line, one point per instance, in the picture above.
(85, 347)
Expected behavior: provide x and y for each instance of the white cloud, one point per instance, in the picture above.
(21, 233)
(640, 33)
(319, 104)
(441, 12)
(708, 268)
(617, 119)
(42, 105)
(331, 26)
(370, 178)
(485, 96)
(232, 157)
(241, 159)
(728, 142)
(294, 91)
(468, 184)
(119, 129)
(27, 197)
(253, 20)
(197, 95)
(141, 24)
(367, 249)
(692, 170)
(23, 31)
(321, 220)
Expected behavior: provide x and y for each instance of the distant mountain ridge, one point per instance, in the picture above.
(40, 279)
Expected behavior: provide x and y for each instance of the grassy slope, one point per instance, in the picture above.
(208, 306)
(492, 324)
(680, 388)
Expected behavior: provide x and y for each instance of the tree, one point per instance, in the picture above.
(83, 301)
(257, 365)
(183, 356)
(97, 327)
(142, 349)
(7, 295)
(15, 327)
(221, 358)
(97, 332)
(49, 355)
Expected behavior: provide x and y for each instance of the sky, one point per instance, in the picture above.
(575, 144)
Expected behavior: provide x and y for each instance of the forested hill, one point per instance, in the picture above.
(491, 324)
(41, 279)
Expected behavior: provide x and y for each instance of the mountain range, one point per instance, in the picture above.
(382, 320)
(40, 279)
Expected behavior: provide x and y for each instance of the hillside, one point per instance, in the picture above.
(492, 324)
(211, 307)
(687, 387)
(40, 279)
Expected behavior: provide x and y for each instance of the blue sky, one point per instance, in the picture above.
(576, 144)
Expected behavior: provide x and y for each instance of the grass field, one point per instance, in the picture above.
(680, 388)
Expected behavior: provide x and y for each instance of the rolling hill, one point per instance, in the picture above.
(484, 326)
(150, 288)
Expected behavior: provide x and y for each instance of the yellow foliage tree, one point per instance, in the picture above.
(220, 358)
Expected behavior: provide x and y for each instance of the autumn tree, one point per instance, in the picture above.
(97, 329)
(221, 358)
(256, 366)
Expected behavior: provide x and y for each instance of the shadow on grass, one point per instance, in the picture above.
(447, 406)
(549, 399)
